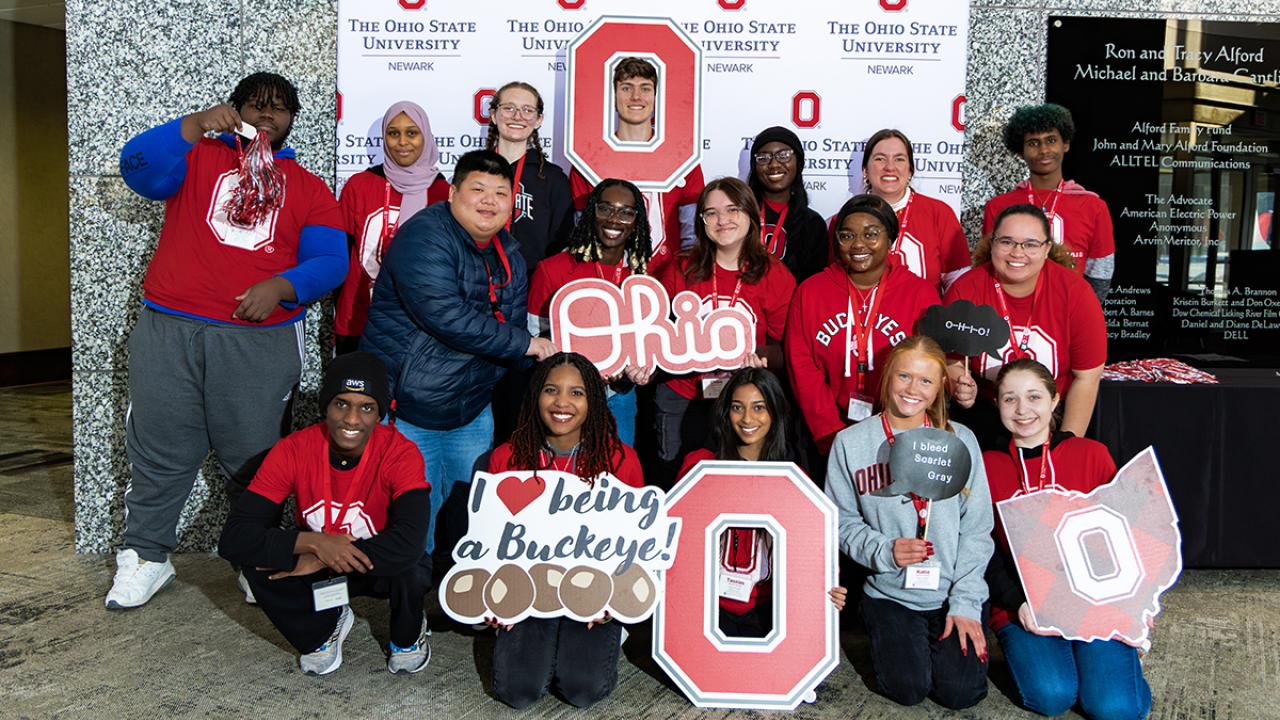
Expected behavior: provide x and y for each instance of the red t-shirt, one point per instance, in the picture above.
(1067, 330)
(664, 228)
(1077, 464)
(625, 463)
(557, 271)
(930, 241)
(820, 338)
(390, 466)
(766, 301)
(1076, 215)
(741, 551)
(370, 218)
(203, 262)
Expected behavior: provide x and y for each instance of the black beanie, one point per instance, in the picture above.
(777, 133)
(357, 372)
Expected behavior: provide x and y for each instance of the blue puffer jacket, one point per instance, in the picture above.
(431, 323)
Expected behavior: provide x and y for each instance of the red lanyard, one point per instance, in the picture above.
(921, 504)
(493, 289)
(715, 288)
(1046, 467)
(515, 189)
(388, 227)
(1054, 194)
(549, 461)
(906, 213)
(729, 554)
(771, 244)
(1019, 346)
(331, 525)
(617, 271)
(858, 329)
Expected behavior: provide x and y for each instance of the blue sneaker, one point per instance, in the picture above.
(328, 657)
(413, 658)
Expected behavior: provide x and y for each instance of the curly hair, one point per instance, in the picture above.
(1037, 119)
(753, 259)
(584, 242)
(260, 87)
(779, 444)
(1058, 252)
(532, 142)
(937, 410)
(599, 443)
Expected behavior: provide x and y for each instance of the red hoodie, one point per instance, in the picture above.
(817, 331)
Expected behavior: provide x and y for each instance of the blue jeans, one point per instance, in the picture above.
(1052, 673)
(451, 458)
(623, 407)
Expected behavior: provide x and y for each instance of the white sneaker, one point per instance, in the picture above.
(137, 580)
(248, 591)
(328, 657)
(413, 658)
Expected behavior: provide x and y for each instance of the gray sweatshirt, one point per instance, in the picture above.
(960, 527)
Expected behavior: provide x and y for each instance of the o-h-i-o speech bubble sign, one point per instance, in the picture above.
(548, 544)
(615, 327)
(1093, 566)
(965, 329)
(774, 672)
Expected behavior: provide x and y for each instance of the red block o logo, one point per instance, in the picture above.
(480, 104)
(893, 5)
(957, 112)
(732, 4)
(770, 673)
(572, 4)
(677, 144)
(413, 4)
(806, 109)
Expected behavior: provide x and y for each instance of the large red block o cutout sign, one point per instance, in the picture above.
(677, 145)
(772, 673)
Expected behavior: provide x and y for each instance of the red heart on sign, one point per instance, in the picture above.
(516, 493)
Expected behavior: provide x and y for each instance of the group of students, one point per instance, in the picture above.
(443, 289)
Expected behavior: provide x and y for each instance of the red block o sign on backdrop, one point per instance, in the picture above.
(677, 144)
(773, 673)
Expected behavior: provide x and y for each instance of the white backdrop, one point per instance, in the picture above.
(832, 71)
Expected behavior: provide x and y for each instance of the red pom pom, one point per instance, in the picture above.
(261, 188)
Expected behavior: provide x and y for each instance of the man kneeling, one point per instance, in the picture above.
(363, 504)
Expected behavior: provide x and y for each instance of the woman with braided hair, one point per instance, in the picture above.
(542, 215)
(610, 242)
(563, 426)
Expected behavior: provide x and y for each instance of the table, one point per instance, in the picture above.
(1217, 455)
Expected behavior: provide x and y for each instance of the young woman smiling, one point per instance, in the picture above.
(376, 201)
(930, 241)
(1051, 672)
(610, 242)
(1053, 314)
(845, 320)
(751, 421)
(926, 628)
(564, 426)
(790, 230)
(542, 216)
(722, 268)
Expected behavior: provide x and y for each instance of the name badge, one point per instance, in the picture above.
(923, 577)
(330, 593)
(713, 384)
(859, 408)
(735, 586)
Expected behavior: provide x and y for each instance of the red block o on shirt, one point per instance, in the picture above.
(775, 672)
(677, 143)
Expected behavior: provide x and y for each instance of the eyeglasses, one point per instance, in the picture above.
(847, 236)
(621, 213)
(525, 111)
(782, 156)
(732, 213)
(1008, 244)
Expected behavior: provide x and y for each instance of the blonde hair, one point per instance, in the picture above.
(927, 346)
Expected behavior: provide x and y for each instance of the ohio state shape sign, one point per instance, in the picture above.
(770, 673)
(615, 327)
(1094, 566)
(676, 146)
(549, 544)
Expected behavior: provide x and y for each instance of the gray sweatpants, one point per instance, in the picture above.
(194, 386)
